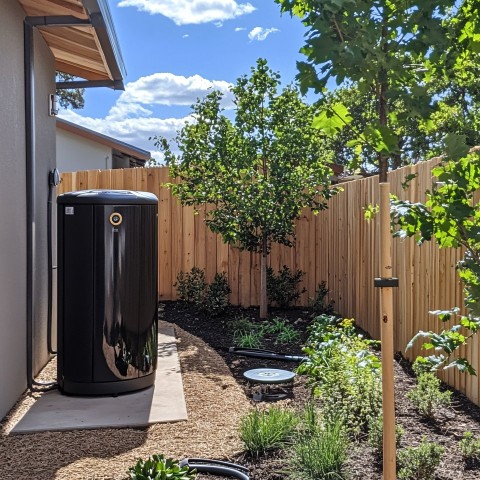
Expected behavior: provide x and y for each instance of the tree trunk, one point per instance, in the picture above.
(263, 280)
(383, 119)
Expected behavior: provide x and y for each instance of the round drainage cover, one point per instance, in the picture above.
(269, 375)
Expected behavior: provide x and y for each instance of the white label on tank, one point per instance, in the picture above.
(69, 210)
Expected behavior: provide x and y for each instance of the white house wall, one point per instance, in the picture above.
(78, 153)
(13, 202)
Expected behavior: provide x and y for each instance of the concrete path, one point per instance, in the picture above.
(164, 402)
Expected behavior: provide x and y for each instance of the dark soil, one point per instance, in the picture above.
(446, 429)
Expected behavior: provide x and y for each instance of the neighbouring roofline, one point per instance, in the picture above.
(123, 147)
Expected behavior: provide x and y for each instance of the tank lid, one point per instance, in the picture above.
(108, 197)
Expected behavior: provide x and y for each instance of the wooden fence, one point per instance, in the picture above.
(337, 246)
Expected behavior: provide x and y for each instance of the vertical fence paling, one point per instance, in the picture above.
(337, 246)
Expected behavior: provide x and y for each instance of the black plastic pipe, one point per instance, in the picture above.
(53, 181)
(216, 467)
(30, 186)
(267, 354)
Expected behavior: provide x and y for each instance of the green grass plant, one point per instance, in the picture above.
(261, 431)
(246, 333)
(283, 331)
(252, 339)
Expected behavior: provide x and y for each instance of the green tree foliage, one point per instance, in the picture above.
(259, 171)
(450, 217)
(72, 97)
(380, 45)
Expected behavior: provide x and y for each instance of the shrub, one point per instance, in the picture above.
(419, 463)
(470, 447)
(267, 430)
(375, 435)
(211, 299)
(343, 372)
(427, 397)
(322, 454)
(283, 289)
(215, 301)
(191, 286)
(157, 467)
(318, 303)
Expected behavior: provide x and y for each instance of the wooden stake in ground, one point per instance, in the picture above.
(386, 321)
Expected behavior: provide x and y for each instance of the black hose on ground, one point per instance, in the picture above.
(267, 354)
(216, 467)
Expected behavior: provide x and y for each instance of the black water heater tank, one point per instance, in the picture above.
(107, 291)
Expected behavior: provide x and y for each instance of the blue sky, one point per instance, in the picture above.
(175, 51)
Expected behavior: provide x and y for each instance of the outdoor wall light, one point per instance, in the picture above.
(52, 105)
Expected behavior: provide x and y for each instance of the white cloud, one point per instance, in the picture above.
(260, 33)
(184, 12)
(135, 131)
(165, 89)
(240, 29)
(185, 36)
(132, 118)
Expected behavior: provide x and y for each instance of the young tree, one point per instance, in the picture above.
(451, 218)
(385, 47)
(259, 171)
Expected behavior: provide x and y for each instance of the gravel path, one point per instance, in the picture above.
(215, 402)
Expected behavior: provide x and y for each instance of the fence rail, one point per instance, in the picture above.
(337, 246)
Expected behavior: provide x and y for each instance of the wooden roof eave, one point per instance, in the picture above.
(88, 51)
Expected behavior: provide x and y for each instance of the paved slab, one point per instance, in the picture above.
(163, 402)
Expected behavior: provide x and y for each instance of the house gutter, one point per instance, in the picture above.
(115, 64)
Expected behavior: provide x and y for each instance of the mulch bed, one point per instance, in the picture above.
(447, 429)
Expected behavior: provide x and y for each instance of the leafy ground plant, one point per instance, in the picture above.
(344, 373)
(157, 467)
(419, 463)
(323, 453)
(261, 431)
(426, 396)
